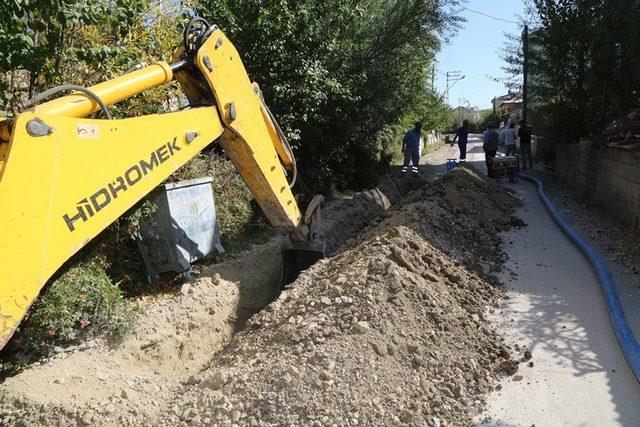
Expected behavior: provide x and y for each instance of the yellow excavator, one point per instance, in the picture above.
(65, 177)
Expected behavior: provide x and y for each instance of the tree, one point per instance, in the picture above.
(338, 74)
(585, 64)
(48, 42)
(497, 117)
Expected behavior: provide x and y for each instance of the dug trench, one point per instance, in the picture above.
(390, 329)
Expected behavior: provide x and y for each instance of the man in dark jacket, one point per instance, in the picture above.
(524, 133)
(462, 136)
(490, 147)
(411, 144)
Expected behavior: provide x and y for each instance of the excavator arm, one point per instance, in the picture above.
(65, 177)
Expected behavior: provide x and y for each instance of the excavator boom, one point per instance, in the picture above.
(64, 177)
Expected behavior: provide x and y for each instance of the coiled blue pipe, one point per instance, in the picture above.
(627, 341)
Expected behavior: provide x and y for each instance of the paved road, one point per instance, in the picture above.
(434, 164)
(555, 307)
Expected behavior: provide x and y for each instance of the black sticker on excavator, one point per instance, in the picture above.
(89, 206)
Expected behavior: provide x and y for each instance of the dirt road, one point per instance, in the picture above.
(556, 309)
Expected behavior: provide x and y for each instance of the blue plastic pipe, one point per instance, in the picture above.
(627, 341)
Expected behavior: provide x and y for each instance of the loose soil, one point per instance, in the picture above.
(391, 329)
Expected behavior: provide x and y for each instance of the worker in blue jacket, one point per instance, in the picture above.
(411, 144)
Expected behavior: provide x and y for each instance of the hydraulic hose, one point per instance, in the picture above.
(627, 341)
(62, 88)
(285, 141)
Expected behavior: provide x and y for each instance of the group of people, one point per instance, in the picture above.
(491, 142)
(412, 144)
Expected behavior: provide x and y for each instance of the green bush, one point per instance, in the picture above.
(497, 117)
(82, 301)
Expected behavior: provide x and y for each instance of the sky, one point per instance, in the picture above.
(475, 51)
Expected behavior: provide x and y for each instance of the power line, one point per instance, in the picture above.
(489, 16)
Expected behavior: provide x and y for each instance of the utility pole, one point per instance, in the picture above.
(461, 102)
(453, 76)
(525, 72)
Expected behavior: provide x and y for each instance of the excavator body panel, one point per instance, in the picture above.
(61, 189)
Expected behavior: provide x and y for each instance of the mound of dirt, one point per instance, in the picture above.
(390, 330)
(174, 338)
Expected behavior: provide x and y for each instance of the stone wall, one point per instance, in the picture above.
(609, 176)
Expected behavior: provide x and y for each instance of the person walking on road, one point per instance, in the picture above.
(490, 146)
(462, 135)
(411, 144)
(524, 133)
(510, 140)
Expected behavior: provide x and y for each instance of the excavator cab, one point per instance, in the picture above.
(65, 176)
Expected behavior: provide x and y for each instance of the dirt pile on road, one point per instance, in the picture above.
(390, 330)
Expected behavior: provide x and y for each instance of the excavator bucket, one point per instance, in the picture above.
(300, 254)
(297, 258)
